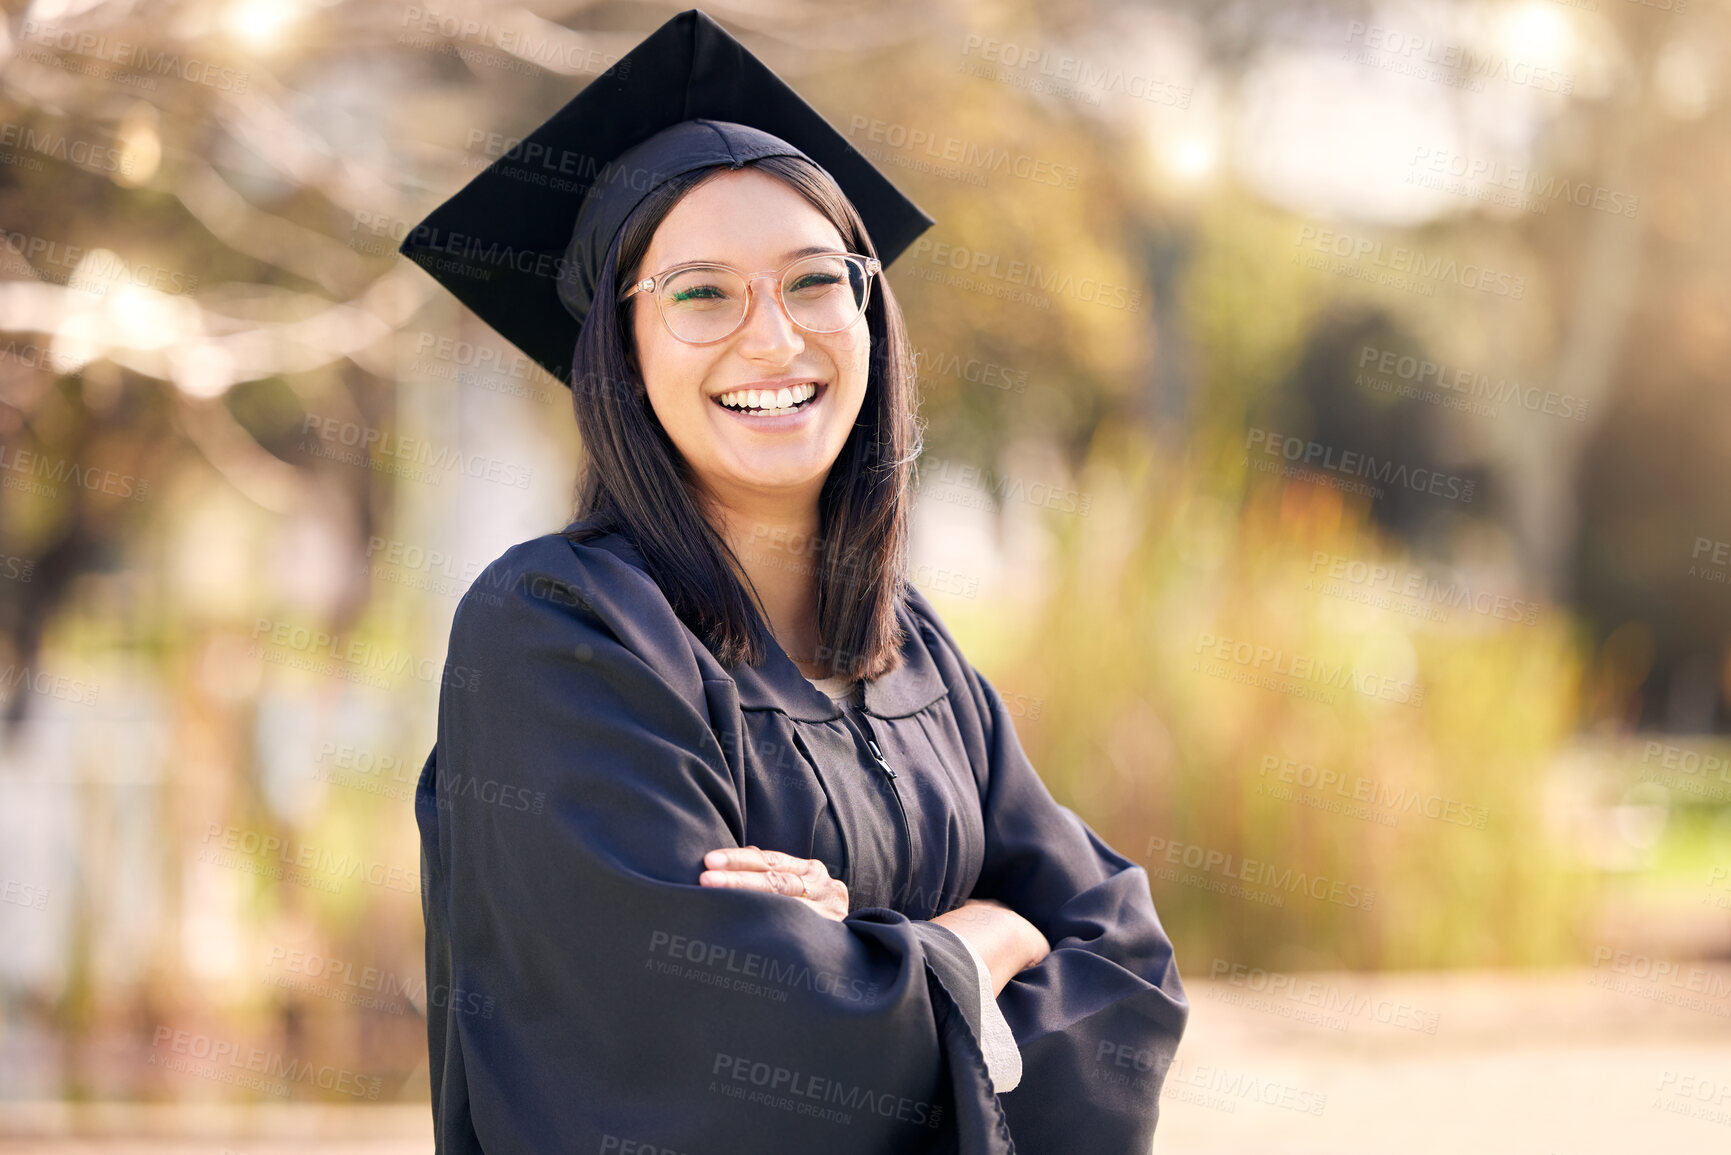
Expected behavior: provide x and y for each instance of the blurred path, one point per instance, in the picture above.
(216, 1129)
(1575, 1063)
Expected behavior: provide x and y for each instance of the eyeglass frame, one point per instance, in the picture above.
(648, 285)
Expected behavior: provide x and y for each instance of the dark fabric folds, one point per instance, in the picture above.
(585, 993)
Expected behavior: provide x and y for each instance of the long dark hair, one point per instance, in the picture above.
(634, 481)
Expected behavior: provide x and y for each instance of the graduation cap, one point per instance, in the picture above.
(523, 243)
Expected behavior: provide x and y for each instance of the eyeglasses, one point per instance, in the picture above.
(704, 303)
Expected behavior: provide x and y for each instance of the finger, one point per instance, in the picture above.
(834, 901)
(737, 858)
(756, 858)
(778, 860)
(741, 879)
(773, 881)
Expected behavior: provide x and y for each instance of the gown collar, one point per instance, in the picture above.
(777, 684)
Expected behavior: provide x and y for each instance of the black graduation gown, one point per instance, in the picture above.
(586, 994)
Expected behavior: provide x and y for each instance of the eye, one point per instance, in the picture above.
(702, 289)
(810, 281)
(698, 293)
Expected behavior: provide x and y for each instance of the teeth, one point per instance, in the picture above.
(768, 400)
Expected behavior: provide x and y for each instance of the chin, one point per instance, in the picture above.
(775, 471)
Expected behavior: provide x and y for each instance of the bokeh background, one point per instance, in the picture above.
(1328, 457)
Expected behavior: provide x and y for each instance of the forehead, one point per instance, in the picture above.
(744, 218)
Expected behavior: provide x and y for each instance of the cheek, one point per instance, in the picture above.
(645, 351)
(666, 367)
(852, 353)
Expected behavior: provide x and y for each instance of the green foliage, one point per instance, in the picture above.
(1423, 832)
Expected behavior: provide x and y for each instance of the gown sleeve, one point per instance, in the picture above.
(1099, 1019)
(997, 1041)
(585, 993)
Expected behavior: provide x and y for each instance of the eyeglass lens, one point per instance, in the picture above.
(823, 293)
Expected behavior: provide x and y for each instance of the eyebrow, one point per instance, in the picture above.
(791, 255)
(808, 251)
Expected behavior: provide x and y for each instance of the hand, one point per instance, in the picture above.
(1026, 934)
(1008, 942)
(1038, 947)
(752, 868)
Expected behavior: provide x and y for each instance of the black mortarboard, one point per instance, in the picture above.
(523, 243)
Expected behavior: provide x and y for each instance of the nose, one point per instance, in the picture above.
(768, 334)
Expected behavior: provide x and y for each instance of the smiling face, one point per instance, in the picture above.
(755, 223)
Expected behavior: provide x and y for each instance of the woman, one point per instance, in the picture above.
(726, 846)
